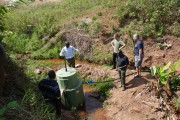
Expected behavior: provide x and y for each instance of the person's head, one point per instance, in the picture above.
(120, 53)
(116, 36)
(51, 74)
(67, 44)
(135, 37)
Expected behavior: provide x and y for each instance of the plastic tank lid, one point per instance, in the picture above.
(63, 73)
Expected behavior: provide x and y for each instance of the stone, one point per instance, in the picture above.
(78, 66)
(38, 71)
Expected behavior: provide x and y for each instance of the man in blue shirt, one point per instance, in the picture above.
(138, 54)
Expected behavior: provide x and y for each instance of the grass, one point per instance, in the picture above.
(28, 28)
(103, 87)
(150, 18)
(33, 98)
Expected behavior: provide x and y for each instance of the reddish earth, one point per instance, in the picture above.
(137, 102)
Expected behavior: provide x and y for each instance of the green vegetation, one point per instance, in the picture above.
(10, 105)
(103, 87)
(164, 73)
(32, 100)
(29, 28)
(150, 18)
(22, 86)
(32, 30)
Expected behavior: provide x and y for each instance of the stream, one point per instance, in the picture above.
(93, 109)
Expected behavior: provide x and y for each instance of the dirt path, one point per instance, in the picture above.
(137, 102)
(129, 104)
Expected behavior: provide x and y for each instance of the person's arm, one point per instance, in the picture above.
(74, 49)
(123, 45)
(112, 43)
(62, 52)
(140, 46)
(140, 54)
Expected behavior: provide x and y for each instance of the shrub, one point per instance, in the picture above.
(151, 17)
(96, 27)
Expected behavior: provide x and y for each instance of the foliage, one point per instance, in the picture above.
(2, 12)
(10, 105)
(150, 18)
(31, 28)
(96, 27)
(84, 26)
(164, 73)
(175, 29)
(104, 87)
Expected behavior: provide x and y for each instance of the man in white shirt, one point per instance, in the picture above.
(67, 51)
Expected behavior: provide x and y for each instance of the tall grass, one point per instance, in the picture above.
(29, 25)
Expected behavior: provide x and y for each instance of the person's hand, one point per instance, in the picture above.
(139, 59)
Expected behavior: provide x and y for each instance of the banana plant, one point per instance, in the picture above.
(163, 73)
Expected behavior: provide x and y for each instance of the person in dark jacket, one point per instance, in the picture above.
(49, 87)
(123, 62)
(50, 90)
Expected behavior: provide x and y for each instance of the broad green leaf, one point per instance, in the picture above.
(176, 65)
(153, 70)
(165, 67)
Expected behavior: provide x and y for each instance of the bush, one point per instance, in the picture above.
(151, 17)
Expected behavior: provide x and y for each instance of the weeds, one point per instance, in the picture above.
(151, 17)
(103, 87)
(96, 27)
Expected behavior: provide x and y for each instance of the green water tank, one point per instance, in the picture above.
(71, 88)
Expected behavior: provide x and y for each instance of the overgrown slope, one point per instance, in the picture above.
(37, 30)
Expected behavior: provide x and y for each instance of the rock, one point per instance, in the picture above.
(78, 66)
(38, 71)
(135, 110)
(161, 115)
(86, 20)
(88, 72)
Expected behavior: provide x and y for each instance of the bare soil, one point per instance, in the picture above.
(137, 102)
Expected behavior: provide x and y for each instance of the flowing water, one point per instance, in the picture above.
(93, 107)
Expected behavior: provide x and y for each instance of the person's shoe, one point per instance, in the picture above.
(123, 88)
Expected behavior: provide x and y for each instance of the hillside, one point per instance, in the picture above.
(34, 33)
(95, 22)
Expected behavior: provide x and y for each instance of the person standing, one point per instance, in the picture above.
(122, 63)
(67, 51)
(138, 54)
(117, 45)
